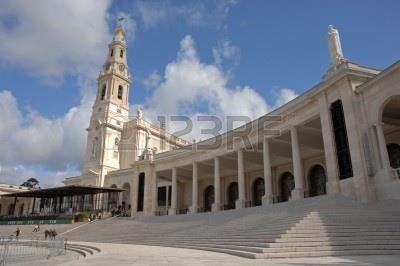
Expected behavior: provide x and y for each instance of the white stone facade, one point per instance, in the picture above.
(340, 136)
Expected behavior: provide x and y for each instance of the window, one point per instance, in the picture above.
(140, 200)
(121, 53)
(103, 93)
(341, 141)
(120, 92)
(112, 52)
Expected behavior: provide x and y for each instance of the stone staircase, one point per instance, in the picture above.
(82, 250)
(313, 227)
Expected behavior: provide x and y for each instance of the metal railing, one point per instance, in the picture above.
(19, 250)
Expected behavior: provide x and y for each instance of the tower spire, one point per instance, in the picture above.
(110, 110)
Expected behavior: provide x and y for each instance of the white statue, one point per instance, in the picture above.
(139, 113)
(335, 48)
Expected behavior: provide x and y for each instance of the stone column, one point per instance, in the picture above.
(383, 152)
(268, 197)
(332, 186)
(217, 186)
(298, 191)
(154, 205)
(240, 203)
(195, 195)
(174, 194)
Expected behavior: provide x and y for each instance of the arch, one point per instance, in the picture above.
(384, 104)
(233, 195)
(121, 53)
(112, 52)
(103, 92)
(394, 155)
(126, 196)
(208, 198)
(1, 208)
(286, 184)
(120, 92)
(317, 178)
(113, 186)
(258, 191)
(390, 121)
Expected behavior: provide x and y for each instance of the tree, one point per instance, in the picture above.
(31, 182)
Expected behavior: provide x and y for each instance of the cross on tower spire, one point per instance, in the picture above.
(120, 20)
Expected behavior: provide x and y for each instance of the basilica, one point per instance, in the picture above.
(341, 136)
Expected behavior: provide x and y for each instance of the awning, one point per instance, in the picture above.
(65, 191)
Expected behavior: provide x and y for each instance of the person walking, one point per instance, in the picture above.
(17, 233)
(36, 229)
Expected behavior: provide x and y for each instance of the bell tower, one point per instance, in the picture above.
(110, 111)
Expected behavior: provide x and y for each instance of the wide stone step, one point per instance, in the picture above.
(258, 247)
(338, 234)
(334, 239)
(349, 241)
(289, 251)
(326, 253)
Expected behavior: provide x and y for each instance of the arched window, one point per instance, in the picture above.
(1, 207)
(120, 92)
(116, 143)
(233, 195)
(286, 186)
(112, 52)
(258, 191)
(121, 53)
(103, 93)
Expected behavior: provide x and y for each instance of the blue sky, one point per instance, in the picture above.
(264, 51)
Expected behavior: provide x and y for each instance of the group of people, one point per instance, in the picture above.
(51, 233)
(121, 211)
(94, 216)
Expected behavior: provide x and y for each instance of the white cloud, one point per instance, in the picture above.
(15, 175)
(50, 38)
(34, 139)
(283, 96)
(152, 81)
(153, 13)
(225, 50)
(191, 88)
